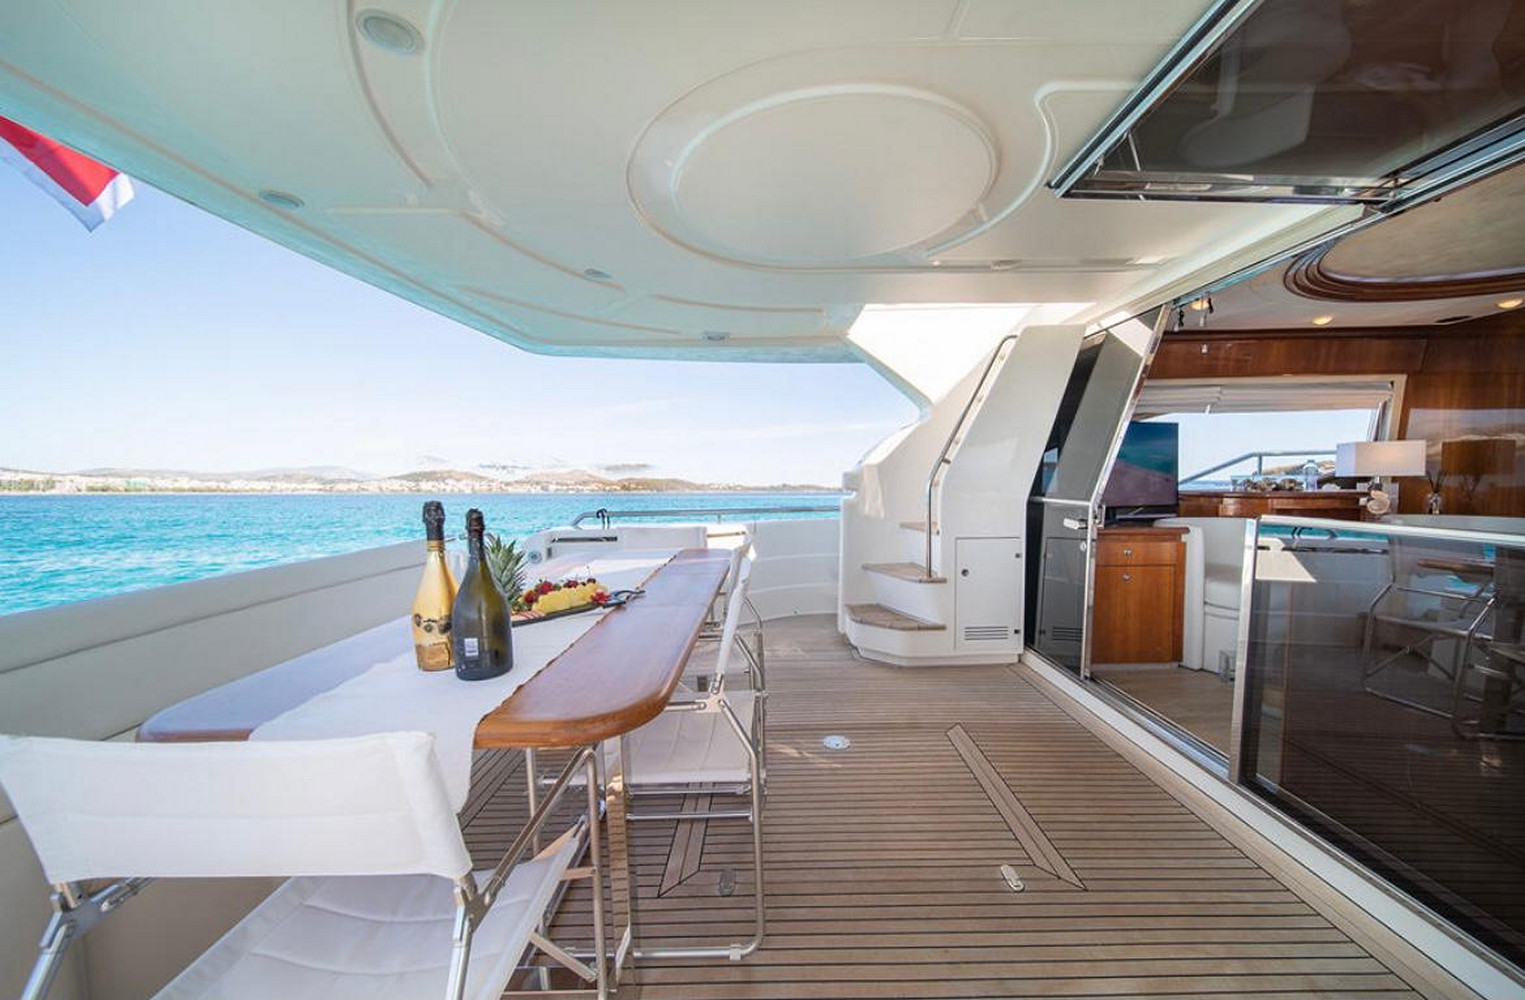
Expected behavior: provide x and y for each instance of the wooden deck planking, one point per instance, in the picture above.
(883, 859)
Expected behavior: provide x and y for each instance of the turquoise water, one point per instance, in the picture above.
(58, 549)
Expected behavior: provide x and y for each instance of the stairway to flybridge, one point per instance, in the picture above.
(950, 591)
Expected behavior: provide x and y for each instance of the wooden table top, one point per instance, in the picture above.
(615, 678)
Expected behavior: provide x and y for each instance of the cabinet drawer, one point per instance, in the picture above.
(1129, 553)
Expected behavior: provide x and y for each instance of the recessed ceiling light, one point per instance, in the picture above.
(596, 274)
(281, 199)
(1322, 320)
(716, 335)
(1511, 303)
(388, 31)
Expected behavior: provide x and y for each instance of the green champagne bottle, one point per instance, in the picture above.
(480, 620)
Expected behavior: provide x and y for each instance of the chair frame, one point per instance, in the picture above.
(755, 745)
(1463, 629)
(75, 911)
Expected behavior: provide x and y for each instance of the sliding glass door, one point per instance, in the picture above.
(1063, 513)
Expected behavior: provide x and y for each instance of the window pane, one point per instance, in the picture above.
(1329, 98)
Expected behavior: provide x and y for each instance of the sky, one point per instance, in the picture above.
(170, 339)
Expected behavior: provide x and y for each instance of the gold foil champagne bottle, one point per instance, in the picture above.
(436, 597)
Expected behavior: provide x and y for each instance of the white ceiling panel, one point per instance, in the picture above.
(640, 177)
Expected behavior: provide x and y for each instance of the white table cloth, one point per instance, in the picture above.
(394, 695)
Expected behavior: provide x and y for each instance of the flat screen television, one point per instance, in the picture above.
(1144, 480)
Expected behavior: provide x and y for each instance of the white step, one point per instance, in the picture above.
(880, 616)
(913, 572)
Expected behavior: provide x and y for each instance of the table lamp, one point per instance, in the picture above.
(1474, 458)
(1374, 460)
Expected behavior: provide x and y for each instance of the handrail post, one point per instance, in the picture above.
(942, 457)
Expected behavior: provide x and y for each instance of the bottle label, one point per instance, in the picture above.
(434, 656)
(439, 625)
(469, 645)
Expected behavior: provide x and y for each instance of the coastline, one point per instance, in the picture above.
(424, 491)
(133, 482)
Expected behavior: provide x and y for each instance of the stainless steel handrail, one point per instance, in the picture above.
(942, 457)
(605, 515)
(1260, 464)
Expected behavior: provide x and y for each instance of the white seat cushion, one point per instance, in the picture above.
(384, 937)
(692, 747)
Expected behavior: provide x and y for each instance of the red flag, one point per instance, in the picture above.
(89, 189)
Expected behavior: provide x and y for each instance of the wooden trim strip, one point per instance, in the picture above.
(1040, 849)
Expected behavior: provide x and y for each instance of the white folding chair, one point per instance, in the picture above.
(754, 650)
(712, 743)
(385, 904)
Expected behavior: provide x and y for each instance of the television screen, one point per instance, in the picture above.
(1145, 474)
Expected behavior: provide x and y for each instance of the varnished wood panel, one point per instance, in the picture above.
(1140, 595)
(1339, 505)
(883, 860)
(1138, 614)
(1231, 355)
(622, 671)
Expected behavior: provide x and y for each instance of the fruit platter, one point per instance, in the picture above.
(553, 600)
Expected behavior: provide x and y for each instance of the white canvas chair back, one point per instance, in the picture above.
(371, 805)
(734, 605)
(739, 554)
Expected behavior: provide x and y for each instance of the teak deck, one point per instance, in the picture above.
(883, 859)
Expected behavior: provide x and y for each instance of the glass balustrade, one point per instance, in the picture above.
(1384, 705)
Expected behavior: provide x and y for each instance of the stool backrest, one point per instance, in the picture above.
(369, 805)
(738, 554)
(734, 604)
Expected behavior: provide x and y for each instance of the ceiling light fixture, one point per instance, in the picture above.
(1324, 320)
(281, 199)
(716, 335)
(596, 274)
(1511, 303)
(1201, 304)
(388, 31)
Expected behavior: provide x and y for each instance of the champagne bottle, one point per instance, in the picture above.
(436, 595)
(480, 619)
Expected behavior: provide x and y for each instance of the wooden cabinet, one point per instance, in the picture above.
(1140, 595)
(1340, 505)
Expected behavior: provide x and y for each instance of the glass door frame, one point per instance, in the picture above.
(1095, 514)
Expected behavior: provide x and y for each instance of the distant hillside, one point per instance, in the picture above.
(333, 479)
(446, 475)
(297, 474)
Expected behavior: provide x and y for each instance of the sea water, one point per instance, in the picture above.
(59, 549)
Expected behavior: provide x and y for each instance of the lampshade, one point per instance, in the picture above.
(1477, 456)
(1379, 458)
